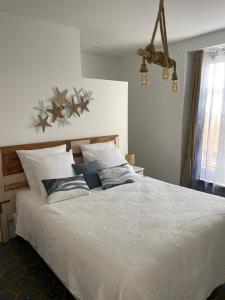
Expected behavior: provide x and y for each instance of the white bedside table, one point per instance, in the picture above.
(138, 170)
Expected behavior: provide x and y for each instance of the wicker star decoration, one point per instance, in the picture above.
(43, 123)
(83, 105)
(63, 107)
(56, 112)
(78, 93)
(41, 108)
(88, 95)
(61, 96)
(73, 107)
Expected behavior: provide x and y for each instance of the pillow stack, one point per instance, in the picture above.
(110, 166)
(54, 164)
(53, 173)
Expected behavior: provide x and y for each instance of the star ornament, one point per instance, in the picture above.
(41, 108)
(73, 108)
(61, 96)
(88, 95)
(43, 123)
(56, 112)
(83, 105)
(78, 93)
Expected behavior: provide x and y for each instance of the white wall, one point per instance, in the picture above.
(108, 113)
(36, 56)
(156, 115)
(158, 119)
(154, 120)
(101, 67)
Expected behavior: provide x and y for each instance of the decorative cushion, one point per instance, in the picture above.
(50, 167)
(25, 155)
(114, 176)
(106, 158)
(65, 188)
(90, 173)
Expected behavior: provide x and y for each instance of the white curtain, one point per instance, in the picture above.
(210, 135)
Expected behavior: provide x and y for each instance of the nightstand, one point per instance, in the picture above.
(138, 170)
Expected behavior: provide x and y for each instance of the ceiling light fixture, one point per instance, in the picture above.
(160, 58)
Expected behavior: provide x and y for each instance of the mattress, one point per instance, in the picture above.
(143, 241)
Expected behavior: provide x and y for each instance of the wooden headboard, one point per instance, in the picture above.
(12, 177)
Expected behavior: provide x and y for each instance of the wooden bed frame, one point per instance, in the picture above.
(12, 177)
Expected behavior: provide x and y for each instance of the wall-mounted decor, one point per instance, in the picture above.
(63, 107)
(73, 107)
(43, 123)
(56, 111)
(61, 96)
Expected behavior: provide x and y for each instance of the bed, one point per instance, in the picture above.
(149, 240)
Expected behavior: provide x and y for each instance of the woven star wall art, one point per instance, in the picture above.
(63, 108)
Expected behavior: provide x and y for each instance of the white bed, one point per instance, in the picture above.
(143, 241)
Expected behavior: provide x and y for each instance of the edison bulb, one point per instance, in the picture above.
(175, 86)
(144, 79)
(165, 74)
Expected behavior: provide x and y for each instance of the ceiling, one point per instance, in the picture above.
(117, 27)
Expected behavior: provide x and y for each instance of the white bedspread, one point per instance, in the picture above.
(143, 241)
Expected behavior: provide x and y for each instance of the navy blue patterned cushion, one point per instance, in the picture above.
(114, 176)
(90, 173)
(65, 188)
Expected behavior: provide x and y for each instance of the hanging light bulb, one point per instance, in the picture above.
(175, 87)
(144, 77)
(165, 74)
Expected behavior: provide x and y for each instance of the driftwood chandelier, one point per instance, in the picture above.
(160, 58)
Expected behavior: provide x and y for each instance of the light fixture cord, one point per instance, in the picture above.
(161, 20)
(164, 40)
(164, 33)
(156, 24)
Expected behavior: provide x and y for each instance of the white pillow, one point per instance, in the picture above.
(52, 166)
(23, 154)
(105, 158)
(96, 146)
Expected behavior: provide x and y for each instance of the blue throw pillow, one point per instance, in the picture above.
(114, 176)
(90, 173)
(65, 188)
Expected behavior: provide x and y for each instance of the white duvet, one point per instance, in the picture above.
(143, 241)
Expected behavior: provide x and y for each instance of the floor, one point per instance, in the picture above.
(24, 276)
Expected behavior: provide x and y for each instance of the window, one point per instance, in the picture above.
(211, 118)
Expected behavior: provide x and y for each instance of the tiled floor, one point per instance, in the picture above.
(24, 276)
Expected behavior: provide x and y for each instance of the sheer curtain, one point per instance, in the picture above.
(209, 160)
